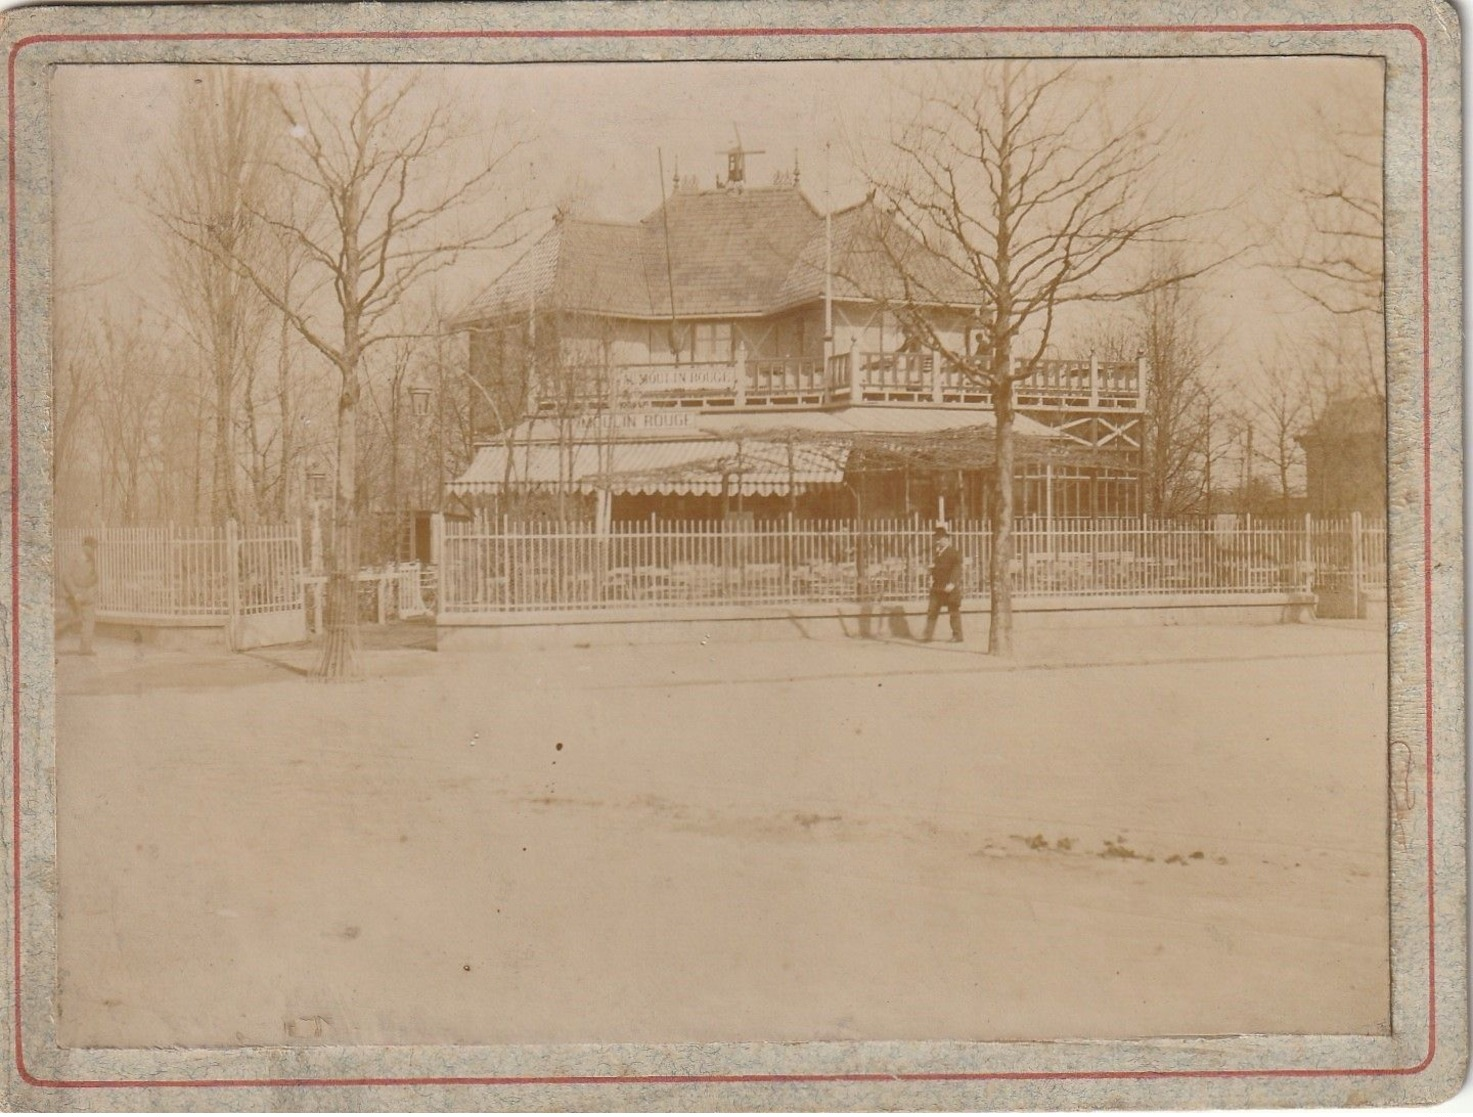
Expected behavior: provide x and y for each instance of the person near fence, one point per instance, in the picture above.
(946, 585)
(79, 582)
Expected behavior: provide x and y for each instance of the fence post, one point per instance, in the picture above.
(1355, 564)
(232, 583)
(171, 579)
(437, 558)
(315, 542)
(1308, 552)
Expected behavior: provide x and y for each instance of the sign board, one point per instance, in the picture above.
(679, 378)
(651, 419)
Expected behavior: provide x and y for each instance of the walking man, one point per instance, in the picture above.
(79, 582)
(946, 585)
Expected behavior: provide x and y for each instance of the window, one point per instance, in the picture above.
(712, 342)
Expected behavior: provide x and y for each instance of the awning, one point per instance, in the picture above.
(701, 466)
(751, 452)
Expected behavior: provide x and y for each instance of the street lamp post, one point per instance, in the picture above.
(419, 406)
(316, 487)
(316, 491)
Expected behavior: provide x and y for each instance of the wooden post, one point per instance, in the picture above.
(741, 374)
(1355, 565)
(602, 525)
(383, 592)
(172, 577)
(437, 557)
(1094, 380)
(855, 391)
(935, 377)
(316, 541)
(232, 584)
(1308, 552)
(1048, 506)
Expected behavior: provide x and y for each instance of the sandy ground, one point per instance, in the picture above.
(1125, 832)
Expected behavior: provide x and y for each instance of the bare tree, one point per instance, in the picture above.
(1334, 243)
(1281, 407)
(77, 380)
(131, 392)
(1025, 183)
(211, 182)
(1176, 352)
(377, 190)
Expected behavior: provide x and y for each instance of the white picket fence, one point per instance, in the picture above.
(168, 573)
(204, 575)
(511, 567)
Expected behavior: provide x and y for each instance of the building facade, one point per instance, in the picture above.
(1345, 458)
(737, 350)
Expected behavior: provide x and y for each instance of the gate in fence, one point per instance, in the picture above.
(1349, 562)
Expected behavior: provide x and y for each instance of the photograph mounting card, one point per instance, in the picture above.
(770, 557)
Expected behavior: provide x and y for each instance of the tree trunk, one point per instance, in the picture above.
(340, 659)
(224, 442)
(1000, 630)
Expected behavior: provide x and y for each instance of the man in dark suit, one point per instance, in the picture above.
(946, 585)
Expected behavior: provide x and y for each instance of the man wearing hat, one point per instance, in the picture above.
(79, 581)
(946, 585)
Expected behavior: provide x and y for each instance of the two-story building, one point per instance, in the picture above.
(736, 349)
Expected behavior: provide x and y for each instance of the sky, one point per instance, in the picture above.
(598, 133)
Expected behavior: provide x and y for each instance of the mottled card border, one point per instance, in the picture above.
(1422, 1060)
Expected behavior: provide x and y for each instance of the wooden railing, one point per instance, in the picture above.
(925, 376)
(859, 376)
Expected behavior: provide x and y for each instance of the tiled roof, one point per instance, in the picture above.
(574, 265)
(729, 253)
(870, 255)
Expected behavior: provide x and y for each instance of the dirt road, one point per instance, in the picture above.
(1128, 832)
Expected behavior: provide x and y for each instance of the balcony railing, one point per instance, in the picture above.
(865, 377)
(926, 376)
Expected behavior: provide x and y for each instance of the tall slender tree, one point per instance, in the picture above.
(213, 179)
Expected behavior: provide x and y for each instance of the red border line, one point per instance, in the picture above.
(706, 33)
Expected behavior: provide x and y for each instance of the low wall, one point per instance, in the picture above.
(253, 630)
(652, 625)
(176, 633)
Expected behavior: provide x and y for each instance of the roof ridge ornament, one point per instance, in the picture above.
(736, 163)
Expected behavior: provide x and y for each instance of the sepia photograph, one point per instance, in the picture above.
(827, 551)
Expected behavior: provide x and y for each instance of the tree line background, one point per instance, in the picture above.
(312, 233)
